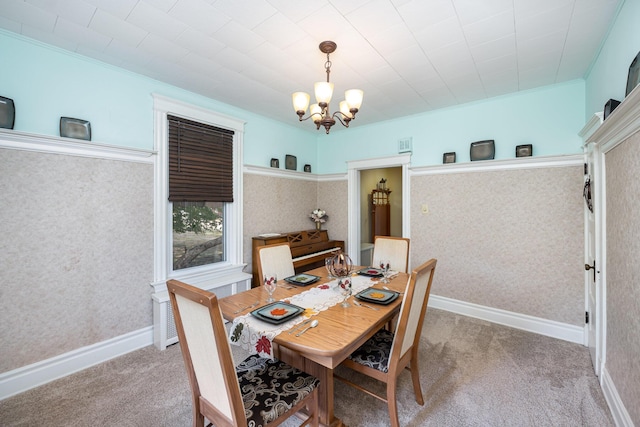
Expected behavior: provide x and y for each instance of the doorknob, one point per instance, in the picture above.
(588, 267)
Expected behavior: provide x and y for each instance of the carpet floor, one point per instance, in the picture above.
(473, 373)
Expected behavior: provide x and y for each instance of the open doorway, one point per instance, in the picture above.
(380, 207)
(355, 195)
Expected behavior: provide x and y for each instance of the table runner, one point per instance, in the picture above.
(256, 335)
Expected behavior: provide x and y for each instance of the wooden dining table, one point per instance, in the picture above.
(320, 350)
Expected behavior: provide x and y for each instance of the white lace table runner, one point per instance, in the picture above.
(256, 335)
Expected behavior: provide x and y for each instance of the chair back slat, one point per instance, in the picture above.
(394, 249)
(413, 309)
(275, 259)
(206, 351)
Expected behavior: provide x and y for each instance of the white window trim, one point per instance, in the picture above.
(162, 254)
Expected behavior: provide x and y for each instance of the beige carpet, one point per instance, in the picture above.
(473, 373)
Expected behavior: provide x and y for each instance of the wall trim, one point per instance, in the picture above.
(623, 122)
(619, 412)
(44, 371)
(550, 328)
(495, 165)
(72, 147)
(283, 173)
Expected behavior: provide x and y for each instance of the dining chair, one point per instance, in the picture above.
(257, 392)
(394, 249)
(274, 259)
(386, 354)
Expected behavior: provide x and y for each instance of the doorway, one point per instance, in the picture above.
(356, 189)
(380, 207)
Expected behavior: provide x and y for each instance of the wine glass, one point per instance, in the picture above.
(327, 264)
(344, 286)
(270, 283)
(384, 266)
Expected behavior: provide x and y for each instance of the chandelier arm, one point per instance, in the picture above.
(344, 122)
(301, 117)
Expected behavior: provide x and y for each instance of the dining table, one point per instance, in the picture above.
(339, 331)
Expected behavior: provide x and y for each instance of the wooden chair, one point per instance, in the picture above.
(275, 259)
(394, 249)
(385, 355)
(258, 391)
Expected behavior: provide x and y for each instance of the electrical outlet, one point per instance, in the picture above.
(425, 209)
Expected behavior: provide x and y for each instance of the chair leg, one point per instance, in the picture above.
(415, 377)
(392, 403)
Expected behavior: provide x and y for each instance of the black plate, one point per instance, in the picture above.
(302, 279)
(371, 272)
(264, 312)
(389, 296)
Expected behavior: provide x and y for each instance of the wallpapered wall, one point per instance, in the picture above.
(623, 281)
(280, 205)
(78, 251)
(510, 239)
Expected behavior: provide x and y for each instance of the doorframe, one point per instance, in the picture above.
(593, 148)
(597, 314)
(353, 194)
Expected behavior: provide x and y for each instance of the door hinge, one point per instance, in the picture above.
(586, 317)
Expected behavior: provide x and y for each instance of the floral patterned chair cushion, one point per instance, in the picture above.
(375, 352)
(270, 388)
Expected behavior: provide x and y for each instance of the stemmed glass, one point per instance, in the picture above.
(384, 266)
(327, 263)
(344, 286)
(270, 283)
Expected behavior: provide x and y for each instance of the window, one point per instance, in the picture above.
(198, 201)
(200, 184)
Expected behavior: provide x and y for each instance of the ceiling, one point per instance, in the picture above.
(409, 56)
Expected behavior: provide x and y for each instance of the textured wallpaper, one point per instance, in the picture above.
(509, 239)
(623, 271)
(280, 205)
(77, 247)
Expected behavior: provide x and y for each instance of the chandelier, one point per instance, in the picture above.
(320, 112)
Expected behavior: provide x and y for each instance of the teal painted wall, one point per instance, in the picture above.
(549, 118)
(46, 83)
(607, 78)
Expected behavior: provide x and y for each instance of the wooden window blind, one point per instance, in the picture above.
(200, 162)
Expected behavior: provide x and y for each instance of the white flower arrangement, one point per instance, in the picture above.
(318, 216)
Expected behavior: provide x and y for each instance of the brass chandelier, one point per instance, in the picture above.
(324, 91)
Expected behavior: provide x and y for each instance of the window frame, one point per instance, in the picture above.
(163, 225)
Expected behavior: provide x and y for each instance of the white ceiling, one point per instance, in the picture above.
(408, 56)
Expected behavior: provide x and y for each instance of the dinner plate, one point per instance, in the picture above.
(302, 279)
(277, 312)
(371, 272)
(378, 296)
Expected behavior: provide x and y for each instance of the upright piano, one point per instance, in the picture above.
(308, 249)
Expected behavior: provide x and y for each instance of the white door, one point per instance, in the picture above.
(592, 206)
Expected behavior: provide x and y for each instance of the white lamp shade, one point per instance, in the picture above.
(354, 98)
(344, 109)
(300, 101)
(324, 92)
(316, 112)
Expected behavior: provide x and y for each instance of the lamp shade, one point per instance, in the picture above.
(300, 101)
(344, 109)
(316, 112)
(324, 92)
(354, 98)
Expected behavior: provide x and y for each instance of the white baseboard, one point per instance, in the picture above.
(30, 376)
(618, 411)
(550, 328)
